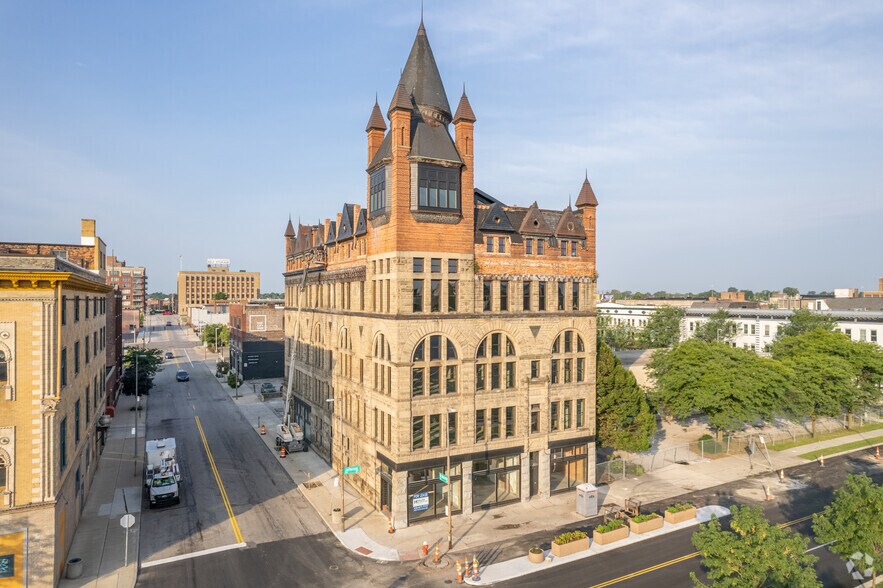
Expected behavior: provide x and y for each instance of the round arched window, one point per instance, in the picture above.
(495, 363)
(568, 358)
(434, 360)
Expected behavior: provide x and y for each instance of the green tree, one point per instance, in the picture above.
(209, 332)
(730, 386)
(789, 291)
(829, 367)
(853, 523)
(624, 418)
(718, 327)
(220, 296)
(754, 553)
(157, 296)
(803, 321)
(147, 364)
(617, 335)
(663, 328)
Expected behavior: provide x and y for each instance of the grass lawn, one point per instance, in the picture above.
(826, 436)
(841, 448)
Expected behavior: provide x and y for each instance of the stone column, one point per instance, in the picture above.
(467, 487)
(525, 477)
(400, 499)
(545, 469)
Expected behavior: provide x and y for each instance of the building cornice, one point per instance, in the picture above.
(27, 280)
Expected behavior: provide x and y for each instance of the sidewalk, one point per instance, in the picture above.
(367, 529)
(116, 489)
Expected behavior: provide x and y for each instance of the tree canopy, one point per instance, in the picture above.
(663, 328)
(220, 296)
(209, 332)
(624, 418)
(853, 523)
(616, 335)
(754, 553)
(148, 363)
(731, 386)
(790, 291)
(803, 321)
(718, 327)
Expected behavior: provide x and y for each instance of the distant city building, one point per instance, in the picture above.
(197, 288)
(130, 280)
(440, 320)
(89, 254)
(210, 314)
(256, 339)
(875, 293)
(53, 370)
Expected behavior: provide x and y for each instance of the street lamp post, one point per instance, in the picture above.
(450, 485)
(342, 463)
(217, 328)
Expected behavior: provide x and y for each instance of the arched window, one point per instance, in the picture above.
(4, 369)
(4, 469)
(382, 364)
(345, 354)
(435, 358)
(568, 358)
(495, 363)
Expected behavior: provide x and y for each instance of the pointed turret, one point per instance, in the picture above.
(376, 122)
(400, 101)
(586, 195)
(289, 230)
(464, 110)
(422, 80)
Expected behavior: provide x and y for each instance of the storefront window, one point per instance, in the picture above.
(569, 467)
(427, 495)
(496, 480)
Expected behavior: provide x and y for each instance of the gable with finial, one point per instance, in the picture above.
(496, 220)
(534, 223)
(569, 226)
(362, 223)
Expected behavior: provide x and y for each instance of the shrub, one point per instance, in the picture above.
(611, 526)
(645, 517)
(680, 507)
(569, 537)
(706, 437)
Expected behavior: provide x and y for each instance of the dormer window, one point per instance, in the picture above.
(378, 191)
(438, 188)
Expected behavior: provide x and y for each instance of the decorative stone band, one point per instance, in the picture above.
(537, 277)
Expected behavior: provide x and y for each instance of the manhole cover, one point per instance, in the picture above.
(333, 568)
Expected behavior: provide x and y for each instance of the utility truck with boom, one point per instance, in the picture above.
(161, 474)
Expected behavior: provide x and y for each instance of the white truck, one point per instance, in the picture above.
(161, 475)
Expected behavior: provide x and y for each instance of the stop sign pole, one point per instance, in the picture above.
(126, 522)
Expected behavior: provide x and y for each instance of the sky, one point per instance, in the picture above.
(728, 143)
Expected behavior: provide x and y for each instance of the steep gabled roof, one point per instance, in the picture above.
(383, 152)
(586, 195)
(345, 229)
(362, 224)
(332, 233)
(569, 226)
(432, 142)
(496, 220)
(289, 230)
(421, 79)
(482, 197)
(376, 120)
(534, 223)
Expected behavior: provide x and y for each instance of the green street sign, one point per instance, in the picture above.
(352, 469)
(443, 478)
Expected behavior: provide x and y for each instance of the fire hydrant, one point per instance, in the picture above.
(425, 548)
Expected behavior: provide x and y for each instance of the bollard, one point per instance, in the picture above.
(391, 528)
(425, 548)
(877, 453)
(436, 553)
(459, 572)
(474, 567)
(263, 430)
(282, 452)
(782, 476)
(821, 461)
(767, 493)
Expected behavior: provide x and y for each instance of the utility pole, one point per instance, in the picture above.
(450, 485)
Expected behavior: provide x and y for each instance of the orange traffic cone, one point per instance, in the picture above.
(782, 476)
(767, 494)
(474, 567)
(282, 452)
(391, 528)
(436, 553)
(459, 572)
(263, 429)
(822, 461)
(877, 452)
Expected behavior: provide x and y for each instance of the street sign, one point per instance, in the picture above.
(127, 521)
(352, 469)
(443, 478)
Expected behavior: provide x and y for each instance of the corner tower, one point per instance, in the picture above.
(420, 181)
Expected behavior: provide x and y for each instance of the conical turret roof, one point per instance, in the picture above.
(289, 230)
(464, 110)
(376, 120)
(422, 80)
(586, 195)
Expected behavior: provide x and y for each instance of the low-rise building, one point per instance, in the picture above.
(257, 347)
(53, 349)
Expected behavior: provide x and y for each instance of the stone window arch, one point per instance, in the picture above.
(568, 362)
(434, 367)
(382, 364)
(495, 363)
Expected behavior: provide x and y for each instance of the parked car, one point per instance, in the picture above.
(182, 376)
(168, 323)
(170, 355)
(267, 388)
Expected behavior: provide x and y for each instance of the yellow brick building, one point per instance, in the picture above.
(197, 288)
(52, 371)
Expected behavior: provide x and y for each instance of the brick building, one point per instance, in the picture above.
(130, 280)
(197, 288)
(256, 339)
(439, 321)
(89, 254)
(53, 345)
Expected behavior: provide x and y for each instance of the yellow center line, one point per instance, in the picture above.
(236, 532)
(677, 560)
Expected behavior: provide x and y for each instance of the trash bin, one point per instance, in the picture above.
(587, 500)
(336, 516)
(74, 568)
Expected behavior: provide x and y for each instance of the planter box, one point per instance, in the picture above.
(537, 558)
(570, 548)
(679, 517)
(651, 525)
(610, 536)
